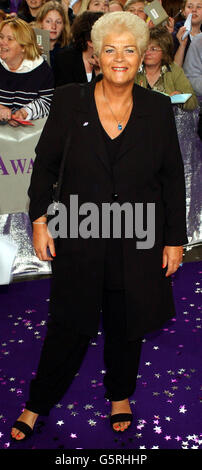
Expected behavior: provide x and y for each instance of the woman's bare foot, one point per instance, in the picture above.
(27, 417)
(122, 406)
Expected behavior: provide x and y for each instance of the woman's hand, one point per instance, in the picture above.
(20, 114)
(65, 4)
(150, 24)
(175, 93)
(172, 258)
(5, 113)
(179, 56)
(179, 35)
(13, 123)
(170, 25)
(42, 240)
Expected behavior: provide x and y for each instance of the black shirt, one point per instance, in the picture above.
(112, 145)
(114, 276)
(26, 17)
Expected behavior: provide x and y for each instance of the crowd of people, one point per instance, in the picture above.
(170, 65)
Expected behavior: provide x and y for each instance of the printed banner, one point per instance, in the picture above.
(17, 153)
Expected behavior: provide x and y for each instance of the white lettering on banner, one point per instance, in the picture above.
(17, 155)
(17, 167)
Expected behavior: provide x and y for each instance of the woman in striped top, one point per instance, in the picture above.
(26, 80)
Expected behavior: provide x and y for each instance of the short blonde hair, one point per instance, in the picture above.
(52, 5)
(119, 21)
(24, 35)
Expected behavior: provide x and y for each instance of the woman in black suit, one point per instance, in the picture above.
(75, 64)
(123, 149)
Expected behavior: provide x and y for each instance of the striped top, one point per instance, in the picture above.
(31, 90)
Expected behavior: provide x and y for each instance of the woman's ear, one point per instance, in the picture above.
(90, 44)
(98, 61)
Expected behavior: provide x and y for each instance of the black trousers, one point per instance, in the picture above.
(63, 351)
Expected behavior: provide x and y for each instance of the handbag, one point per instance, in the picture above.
(58, 184)
(56, 189)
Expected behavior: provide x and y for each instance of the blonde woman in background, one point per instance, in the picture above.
(26, 79)
(53, 18)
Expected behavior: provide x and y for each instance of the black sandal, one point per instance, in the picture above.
(22, 427)
(120, 417)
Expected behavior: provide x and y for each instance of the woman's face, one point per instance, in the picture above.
(138, 9)
(115, 7)
(10, 50)
(153, 54)
(194, 7)
(53, 22)
(99, 5)
(119, 58)
(34, 4)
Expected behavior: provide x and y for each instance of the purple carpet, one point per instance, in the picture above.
(167, 404)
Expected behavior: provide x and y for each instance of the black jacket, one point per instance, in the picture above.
(148, 168)
(69, 67)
